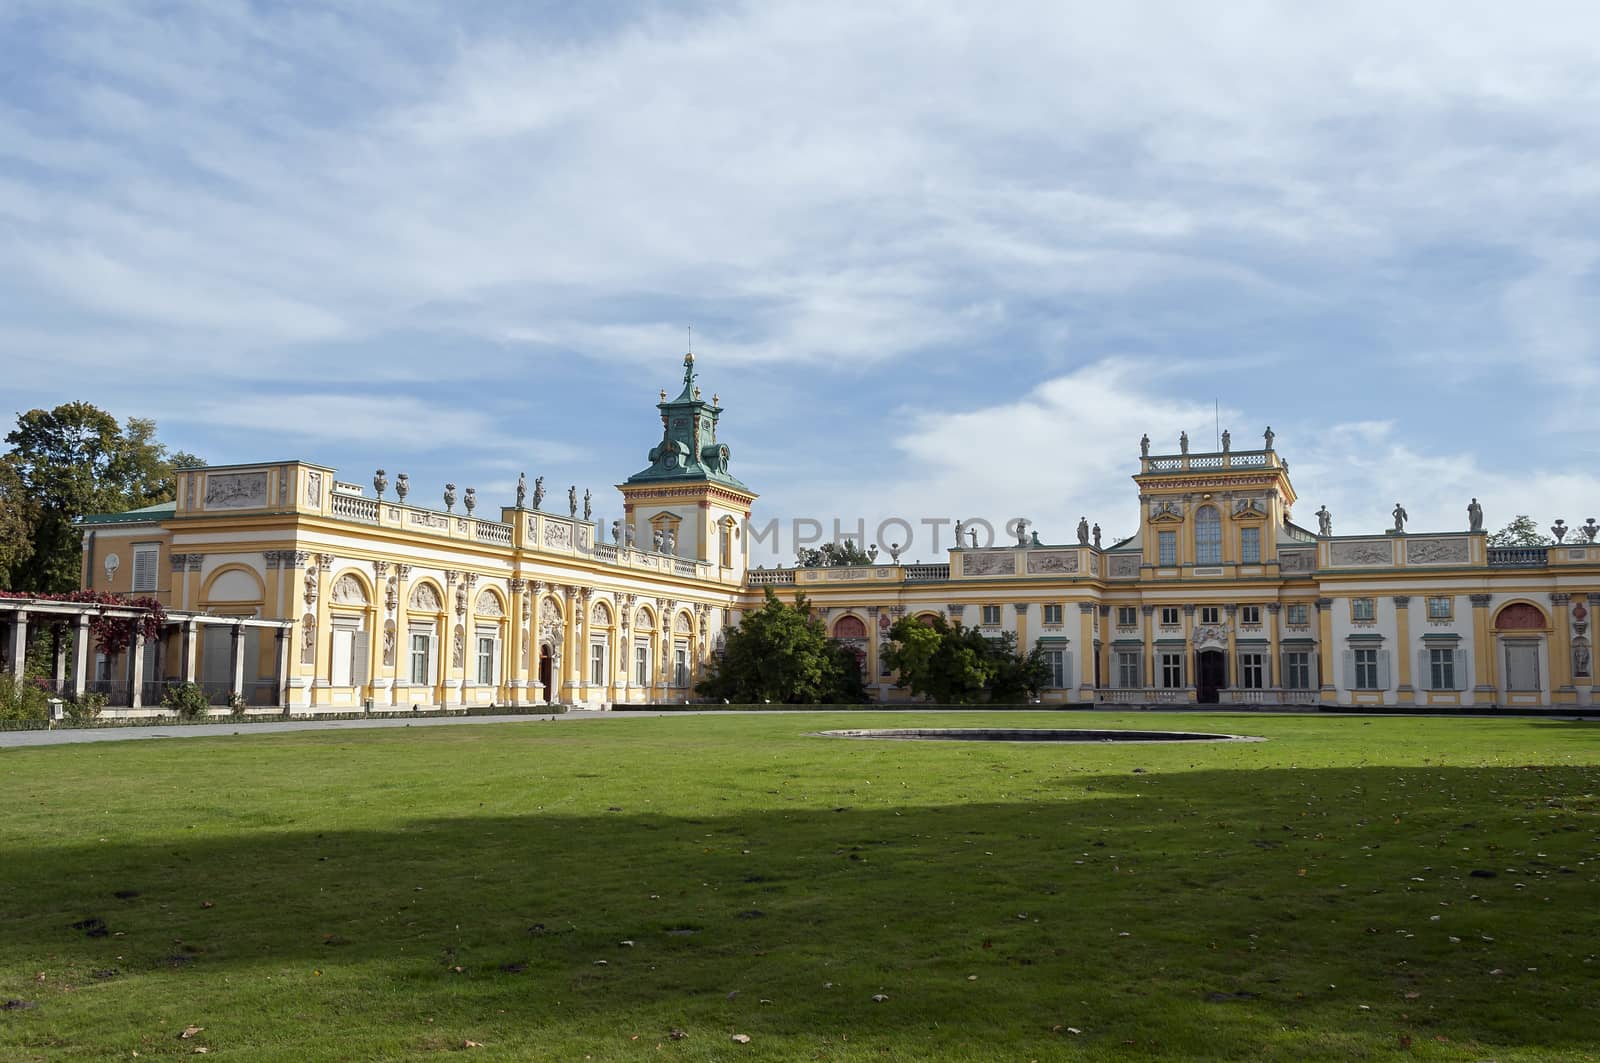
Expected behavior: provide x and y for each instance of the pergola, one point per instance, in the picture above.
(22, 615)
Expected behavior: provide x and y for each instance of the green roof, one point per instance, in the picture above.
(159, 511)
(689, 450)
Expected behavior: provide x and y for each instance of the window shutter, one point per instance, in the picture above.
(361, 654)
(1066, 669)
(144, 568)
(1283, 668)
(1349, 669)
(1463, 670)
(1383, 669)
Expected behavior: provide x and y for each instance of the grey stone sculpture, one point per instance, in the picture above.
(1400, 518)
(572, 501)
(588, 505)
(1183, 442)
(1269, 436)
(471, 501)
(1559, 530)
(538, 491)
(972, 533)
(1324, 521)
(1097, 536)
(1144, 445)
(1474, 516)
(616, 531)
(449, 497)
(402, 486)
(1227, 441)
(522, 489)
(1022, 532)
(1083, 526)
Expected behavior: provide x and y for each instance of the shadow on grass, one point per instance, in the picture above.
(1198, 914)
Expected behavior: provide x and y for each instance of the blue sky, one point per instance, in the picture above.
(940, 259)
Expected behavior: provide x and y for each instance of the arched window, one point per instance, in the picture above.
(1207, 536)
(849, 627)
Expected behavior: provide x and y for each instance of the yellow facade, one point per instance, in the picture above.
(1220, 596)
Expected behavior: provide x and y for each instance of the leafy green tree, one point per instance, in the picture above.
(955, 665)
(16, 522)
(1522, 531)
(72, 461)
(845, 553)
(780, 653)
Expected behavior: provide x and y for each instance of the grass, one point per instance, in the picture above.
(394, 894)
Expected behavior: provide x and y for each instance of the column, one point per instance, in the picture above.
(871, 679)
(1101, 650)
(1272, 673)
(136, 663)
(1148, 676)
(398, 693)
(187, 649)
(1191, 662)
(58, 655)
(380, 672)
(1483, 648)
(80, 656)
(236, 664)
(1021, 609)
(285, 657)
(572, 654)
(1402, 634)
(585, 629)
(1560, 650)
(1086, 611)
(511, 670)
(19, 643)
(322, 649)
(1325, 672)
(1233, 678)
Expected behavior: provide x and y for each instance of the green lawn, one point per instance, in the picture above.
(393, 894)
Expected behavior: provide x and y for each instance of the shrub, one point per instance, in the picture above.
(188, 700)
(85, 709)
(236, 704)
(23, 700)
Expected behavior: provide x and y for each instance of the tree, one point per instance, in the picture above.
(845, 553)
(16, 522)
(780, 653)
(955, 665)
(69, 462)
(1522, 531)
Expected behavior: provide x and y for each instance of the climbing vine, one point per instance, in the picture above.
(111, 633)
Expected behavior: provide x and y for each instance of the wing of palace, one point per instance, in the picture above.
(293, 590)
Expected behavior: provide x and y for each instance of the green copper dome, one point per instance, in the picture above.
(688, 451)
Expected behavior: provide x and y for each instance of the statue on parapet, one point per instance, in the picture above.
(588, 506)
(1183, 442)
(1400, 518)
(655, 539)
(1227, 441)
(1324, 521)
(538, 491)
(1022, 532)
(1083, 530)
(1474, 516)
(669, 541)
(522, 488)
(1269, 436)
(616, 532)
(1097, 536)
(972, 533)
(572, 501)
(1144, 445)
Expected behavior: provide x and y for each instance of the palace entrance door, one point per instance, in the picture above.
(1210, 675)
(545, 674)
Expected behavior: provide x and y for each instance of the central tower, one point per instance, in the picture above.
(686, 493)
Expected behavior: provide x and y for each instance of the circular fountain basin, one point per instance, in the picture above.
(1030, 734)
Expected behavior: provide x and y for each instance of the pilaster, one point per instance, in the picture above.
(1483, 649)
(1325, 649)
(1402, 651)
(1560, 650)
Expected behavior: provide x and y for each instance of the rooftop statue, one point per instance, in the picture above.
(1474, 516)
(1324, 521)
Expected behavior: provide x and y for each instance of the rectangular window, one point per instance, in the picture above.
(1297, 670)
(1251, 672)
(486, 660)
(1166, 549)
(1442, 669)
(680, 665)
(145, 558)
(1127, 616)
(421, 663)
(1127, 669)
(1441, 609)
(1169, 616)
(1361, 609)
(597, 664)
(1249, 614)
(1298, 613)
(991, 615)
(1250, 546)
(1366, 669)
(1172, 670)
(641, 663)
(1056, 659)
(1209, 614)
(1052, 614)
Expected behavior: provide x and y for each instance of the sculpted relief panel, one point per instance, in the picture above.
(236, 490)
(1124, 566)
(997, 564)
(1436, 551)
(1297, 561)
(1363, 553)
(1053, 561)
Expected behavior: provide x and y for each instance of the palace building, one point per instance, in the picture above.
(298, 591)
